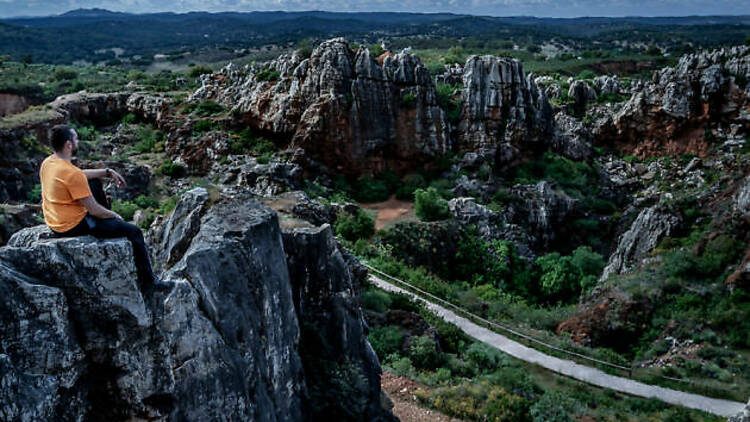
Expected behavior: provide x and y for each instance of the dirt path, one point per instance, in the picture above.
(405, 405)
(390, 211)
(572, 369)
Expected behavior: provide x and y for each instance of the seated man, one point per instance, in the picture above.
(74, 203)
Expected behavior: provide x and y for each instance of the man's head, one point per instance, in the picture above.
(64, 139)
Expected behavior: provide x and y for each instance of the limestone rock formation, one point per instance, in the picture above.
(651, 225)
(571, 138)
(503, 110)
(743, 416)
(672, 114)
(82, 340)
(353, 114)
(582, 94)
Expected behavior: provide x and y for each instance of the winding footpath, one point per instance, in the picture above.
(572, 369)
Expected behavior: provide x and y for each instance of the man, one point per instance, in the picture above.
(74, 204)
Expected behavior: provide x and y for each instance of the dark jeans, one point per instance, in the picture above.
(109, 228)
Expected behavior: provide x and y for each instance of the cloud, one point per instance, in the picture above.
(559, 8)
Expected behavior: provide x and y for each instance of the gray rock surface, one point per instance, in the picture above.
(353, 113)
(743, 416)
(503, 110)
(571, 138)
(82, 340)
(670, 113)
(742, 203)
(651, 225)
(582, 94)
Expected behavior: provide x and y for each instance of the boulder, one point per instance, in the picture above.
(743, 416)
(82, 340)
(582, 94)
(649, 227)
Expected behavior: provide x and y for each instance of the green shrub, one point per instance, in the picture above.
(129, 118)
(408, 100)
(144, 202)
(202, 126)
(586, 74)
(505, 407)
(199, 70)
(267, 74)
(126, 209)
(411, 183)
(376, 300)
(246, 142)
(423, 352)
(429, 205)
(204, 109)
(149, 140)
(553, 407)
(171, 168)
(485, 357)
(448, 101)
(369, 190)
(64, 74)
(402, 366)
(353, 227)
(386, 340)
(168, 205)
(35, 194)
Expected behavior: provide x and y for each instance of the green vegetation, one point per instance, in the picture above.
(35, 194)
(171, 168)
(246, 142)
(354, 227)
(149, 139)
(126, 209)
(449, 100)
(267, 74)
(408, 100)
(199, 70)
(203, 109)
(429, 205)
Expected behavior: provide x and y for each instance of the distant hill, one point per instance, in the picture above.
(81, 33)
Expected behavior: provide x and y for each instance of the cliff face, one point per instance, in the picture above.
(82, 340)
(672, 113)
(351, 112)
(503, 112)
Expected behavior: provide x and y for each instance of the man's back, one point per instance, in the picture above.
(63, 185)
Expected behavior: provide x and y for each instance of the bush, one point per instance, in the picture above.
(423, 352)
(150, 140)
(199, 70)
(553, 407)
(267, 74)
(429, 205)
(448, 102)
(171, 169)
(354, 227)
(411, 183)
(368, 190)
(63, 74)
(408, 100)
(35, 194)
(144, 202)
(376, 300)
(202, 126)
(485, 357)
(129, 118)
(126, 209)
(386, 340)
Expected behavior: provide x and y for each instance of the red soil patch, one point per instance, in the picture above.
(390, 211)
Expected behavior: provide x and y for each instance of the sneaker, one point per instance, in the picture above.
(163, 286)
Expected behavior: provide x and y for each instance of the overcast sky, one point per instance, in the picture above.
(555, 8)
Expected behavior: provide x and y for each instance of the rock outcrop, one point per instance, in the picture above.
(674, 112)
(743, 416)
(503, 110)
(340, 105)
(82, 340)
(651, 225)
(582, 94)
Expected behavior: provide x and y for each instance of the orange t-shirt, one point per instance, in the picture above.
(63, 185)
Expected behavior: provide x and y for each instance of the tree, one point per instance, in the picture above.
(429, 205)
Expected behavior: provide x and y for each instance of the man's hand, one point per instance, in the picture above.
(119, 180)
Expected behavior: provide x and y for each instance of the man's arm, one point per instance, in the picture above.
(97, 210)
(99, 173)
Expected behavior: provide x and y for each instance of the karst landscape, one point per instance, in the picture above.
(313, 184)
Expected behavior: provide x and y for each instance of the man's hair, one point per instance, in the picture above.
(60, 134)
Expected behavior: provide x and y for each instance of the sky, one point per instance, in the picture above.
(540, 8)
